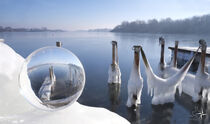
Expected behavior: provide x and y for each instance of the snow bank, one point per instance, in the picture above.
(75, 114)
(15, 109)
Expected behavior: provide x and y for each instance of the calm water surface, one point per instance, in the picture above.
(94, 51)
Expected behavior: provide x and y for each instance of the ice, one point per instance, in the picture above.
(135, 85)
(163, 90)
(15, 109)
(193, 84)
(135, 82)
(114, 74)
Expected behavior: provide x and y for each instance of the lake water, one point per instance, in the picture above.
(94, 51)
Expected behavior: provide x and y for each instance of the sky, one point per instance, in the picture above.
(92, 14)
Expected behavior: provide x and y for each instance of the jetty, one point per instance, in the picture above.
(185, 53)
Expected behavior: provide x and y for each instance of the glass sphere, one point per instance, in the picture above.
(52, 78)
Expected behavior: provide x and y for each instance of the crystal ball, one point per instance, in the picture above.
(52, 78)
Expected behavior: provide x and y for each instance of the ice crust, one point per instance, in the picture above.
(15, 109)
(192, 84)
(163, 90)
(114, 74)
(135, 85)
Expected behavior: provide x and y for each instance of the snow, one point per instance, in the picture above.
(190, 85)
(114, 74)
(193, 84)
(163, 90)
(135, 85)
(16, 110)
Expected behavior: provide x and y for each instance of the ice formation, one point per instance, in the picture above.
(15, 109)
(47, 86)
(114, 69)
(135, 82)
(165, 70)
(192, 84)
(202, 76)
(163, 90)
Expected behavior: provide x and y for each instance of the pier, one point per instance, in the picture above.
(185, 53)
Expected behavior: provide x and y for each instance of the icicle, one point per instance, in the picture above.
(164, 89)
(135, 82)
(114, 69)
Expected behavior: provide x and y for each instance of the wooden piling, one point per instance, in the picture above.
(114, 46)
(175, 53)
(1, 40)
(136, 56)
(203, 54)
(58, 44)
(162, 43)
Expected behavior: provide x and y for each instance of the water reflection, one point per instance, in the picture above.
(134, 115)
(200, 114)
(114, 95)
(161, 114)
(52, 89)
(56, 78)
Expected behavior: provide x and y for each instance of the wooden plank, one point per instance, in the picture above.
(191, 49)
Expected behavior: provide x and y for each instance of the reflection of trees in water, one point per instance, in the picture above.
(114, 95)
(69, 79)
(161, 114)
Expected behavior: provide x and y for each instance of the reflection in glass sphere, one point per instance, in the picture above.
(52, 77)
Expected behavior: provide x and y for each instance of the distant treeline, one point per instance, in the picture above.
(194, 25)
(99, 30)
(10, 29)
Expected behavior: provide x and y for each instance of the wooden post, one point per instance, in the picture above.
(1, 40)
(175, 53)
(58, 44)
(136, 56)
(114, 45)
(51, 72)
(162, 43)
(203, 54)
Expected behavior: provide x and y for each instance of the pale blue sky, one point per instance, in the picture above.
(90, 14)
